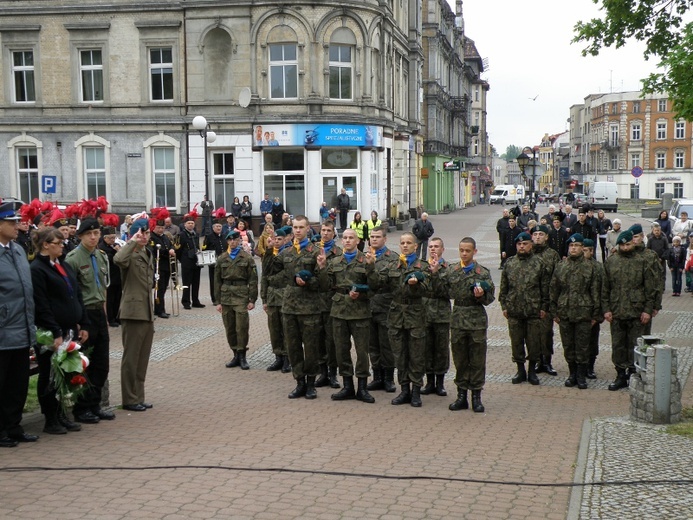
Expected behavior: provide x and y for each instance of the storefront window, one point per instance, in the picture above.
(284, 160)
(340, 158)
(290, 189)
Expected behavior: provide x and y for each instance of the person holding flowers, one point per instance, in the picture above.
(59, 309)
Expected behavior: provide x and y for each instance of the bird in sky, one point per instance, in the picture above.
(534, 98)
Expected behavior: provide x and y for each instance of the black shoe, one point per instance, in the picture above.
(68, 424)
(286, 367)
(389, 380)
(362, 392)
(540, 367)
(590, 370)
(415, 396)
(548, 367)
(87, 418)
(104, 415)
(323, 379)
(242, 361)
(332, 374)
(300, 390)
(164, 315)
(199, 305)
(53, 427)
(147, 405)
(520, 376)
(235, 361)
(186, 307)
(114, 324)
(6, 442)
(276, 364)
(377, 383)
(430, 386)
(310, 388)
(461, 403)
(532, 375)
(347, 392)
(440, 385)
(404, 396)
(621, 380)
(572, 378)
(24, 437)
(134, 407)
(477, 405)
(581, 381)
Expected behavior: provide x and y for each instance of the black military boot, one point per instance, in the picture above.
(67, 423)
(324, 379)
(286, 367)
(461, 403)
(581, 381)
(277, 364)
(310, 388)
(572, 378)
(362, 392)
(590, 369)
(540, 365)
(234, 360)
(521, 375)
(377, 383)
(430, 386)
(242, 361)
(300, 390)
(389, 380)
(332, 374)
(440, 385)
(477, 405)
(621, 380)
(532, 374)
(416, 396)
(548, 367)
(404, 396)
(53, 426)
(347, 391)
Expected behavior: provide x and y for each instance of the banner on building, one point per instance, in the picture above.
(318, 135)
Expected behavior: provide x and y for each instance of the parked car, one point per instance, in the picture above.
(677, 207)
(554, 197)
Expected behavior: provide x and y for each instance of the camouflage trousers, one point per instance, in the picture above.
(594, 341)
(344, 330)
(236, 324)
(525, 332)
(409, 346)
(575, 336)
(276, 331)
(302, 340)
(328, 351)
(547, 337)
(437, 348)
(469, 356)
(379, 347)
(624, 337)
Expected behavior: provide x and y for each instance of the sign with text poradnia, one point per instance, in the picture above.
(326, 134)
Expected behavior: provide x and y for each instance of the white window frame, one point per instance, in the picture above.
(227, 177)
(636, 132)
(160, 141)
(679, 158)
(662, 105)
(678, 190)
(634, 160)
(661, 130)
(613, 135)
(282, 64)
(92, 141)
(660, 160)
(680, 130)
(14, 144)
(659, 190)
(160, 68)
(93, 70)
(614, 161)
(340, 65)
(23, 70)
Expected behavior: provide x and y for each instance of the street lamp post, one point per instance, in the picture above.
(523, 161)
(208, 136)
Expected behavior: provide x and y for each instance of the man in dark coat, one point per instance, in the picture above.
(343, 206)
(190, 271)
(558, 238)
(423, 230)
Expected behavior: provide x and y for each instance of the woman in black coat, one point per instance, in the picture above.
(277, 213)
(236, 208)
(664, 223)
(59, 309)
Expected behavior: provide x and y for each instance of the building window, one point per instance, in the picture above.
(678, 190)
(224, 186)
(680, 130)
(340, 158)
(95, 171)
(91, 75)
(634, 160)
(283, 160)
(614, 161)
(476, 92)
(28, 173)
(613, 135)
(164, 169)
(660, 160)
(678, 159)
(636, 107)
(340, 72)
(614, 108)
(634, 191)
(290, 189)
(23, 74)
(161, 73)
(661, 130)
(662, 105)
(283, 71)
(635, 130)
(659, 190)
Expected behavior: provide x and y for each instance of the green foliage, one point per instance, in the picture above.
(511, 153)
(685, 427)
(32, 404)
(660, 25)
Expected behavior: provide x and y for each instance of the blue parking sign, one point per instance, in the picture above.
(48, 183)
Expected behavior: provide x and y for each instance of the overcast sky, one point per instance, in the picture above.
(527, 43)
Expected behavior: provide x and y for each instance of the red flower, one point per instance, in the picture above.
(72, 346)
(78, 380)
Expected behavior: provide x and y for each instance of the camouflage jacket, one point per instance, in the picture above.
(272, 295)
(468, 312)
(326, 297)
(235, 280)
(339, 276)
(382, 298)
(302, 300)
(438, 307)
(576, 290)
(629, 287)
(656, 271)
(407, 308)
(524, 289)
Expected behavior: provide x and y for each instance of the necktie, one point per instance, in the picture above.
(63, 273)
(96, 270)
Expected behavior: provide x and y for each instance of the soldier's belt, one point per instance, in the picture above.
(235, 282)
(408, 301)
(341, 290)
(94, 307)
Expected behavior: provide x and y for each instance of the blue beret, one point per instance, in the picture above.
(140, 223)
(576, 237)
(288, 230)
(280, 232)
(522, 237)
(588, 242)
(304, 275)
(232, 235)
(625, 237)
(636, 229)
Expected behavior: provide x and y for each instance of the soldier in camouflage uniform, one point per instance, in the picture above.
(272, 298)
(408, 280)
(437, 329)
(655, 267)
(575, 306)
(549, 258)
(349, 277)
(301, 308)
(235, 293)
(628, 300)
(379, 349)
(588, 250)
(328, 352)
(524, 298)
(471, 287)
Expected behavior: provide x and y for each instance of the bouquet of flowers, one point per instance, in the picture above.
(68, 365)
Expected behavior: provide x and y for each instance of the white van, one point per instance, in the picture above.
(507, 194)
(604, 195)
